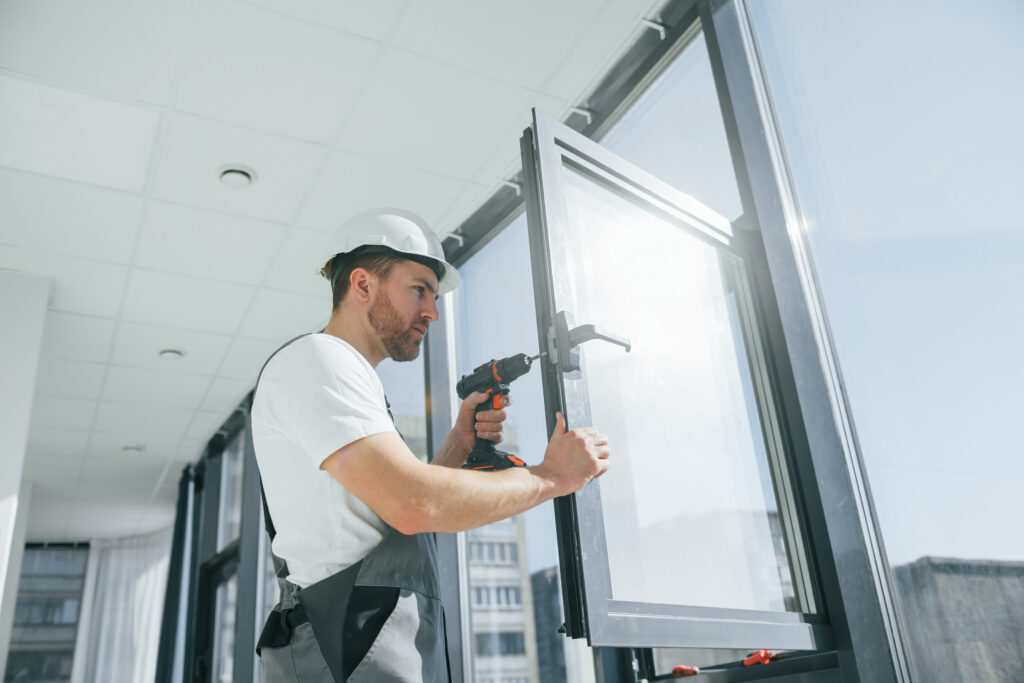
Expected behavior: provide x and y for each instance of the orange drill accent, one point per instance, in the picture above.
(758, 657)
(516, 461)
(494, 369)
(497, 402)
(484, 467)
(682, 671)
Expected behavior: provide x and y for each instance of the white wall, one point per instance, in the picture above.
(23, 302)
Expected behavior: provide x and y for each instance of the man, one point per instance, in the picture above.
(353, 508)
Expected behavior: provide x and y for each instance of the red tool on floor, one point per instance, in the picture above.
(755, 657)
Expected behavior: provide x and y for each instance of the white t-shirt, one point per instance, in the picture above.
(315, 396)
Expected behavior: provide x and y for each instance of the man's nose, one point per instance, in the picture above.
(430, 313)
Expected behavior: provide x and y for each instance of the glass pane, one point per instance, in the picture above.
(405, 389)
(689, 508)
(674, 131)
(514, 594)
(267, 590)
(224, 631)
(230, 524)
(905, 154)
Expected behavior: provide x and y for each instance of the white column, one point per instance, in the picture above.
(23, 302)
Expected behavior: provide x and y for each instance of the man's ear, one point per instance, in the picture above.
(362, 283)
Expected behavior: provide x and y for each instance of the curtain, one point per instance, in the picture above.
(124, 628)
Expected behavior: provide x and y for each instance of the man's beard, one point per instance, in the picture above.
(398, 338)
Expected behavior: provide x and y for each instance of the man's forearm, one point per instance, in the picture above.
(451, 501)
(414, 497)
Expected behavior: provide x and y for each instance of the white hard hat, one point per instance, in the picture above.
(398, 230)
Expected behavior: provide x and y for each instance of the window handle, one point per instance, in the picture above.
(563, 341)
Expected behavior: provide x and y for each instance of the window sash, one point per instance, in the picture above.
(547, 147)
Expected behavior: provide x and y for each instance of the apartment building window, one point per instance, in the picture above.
(500, 644)
(497, 596)
(492, 552)
(46, 614)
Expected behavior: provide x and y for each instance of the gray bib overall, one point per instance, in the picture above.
(303, 637)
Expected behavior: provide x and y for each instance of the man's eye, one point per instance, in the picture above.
(421, 290)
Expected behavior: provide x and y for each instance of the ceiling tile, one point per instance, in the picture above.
(262, 69)
(122, 47)
(504, 159)
(189, 241)
(166, 497)
(47, 530)
(60, 488)
(77, 337)
(53, 502)
(70, 442)
(430, 115)
(152, 387)
(140, 345)
(69, 379)
(197, 149)
(246, 358)
(88, 528)
(189, 450)
(468, 201)
(111, 445)
(143, 424)
(225, 394)
(206, 423)
(102, 508)
(190, 303)
(351, 183)
(598, 46)
(534, 36)
(159, 516)
(281, 315)
(46, 213)
(70, 135)
(43, 467)
(137, 470)
(62, 413)
(172, 478)
(298, 263)
(370, 19)
(88, 287)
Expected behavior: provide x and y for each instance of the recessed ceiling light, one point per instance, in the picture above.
(236, 176)
(172, 354)
(133, 448)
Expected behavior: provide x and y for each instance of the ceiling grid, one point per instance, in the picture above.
(115, 120)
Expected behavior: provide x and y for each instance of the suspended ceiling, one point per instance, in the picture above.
(116, 119)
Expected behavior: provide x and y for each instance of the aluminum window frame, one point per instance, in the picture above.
(856, 578)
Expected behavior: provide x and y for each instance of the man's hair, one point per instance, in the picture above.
(380, 264)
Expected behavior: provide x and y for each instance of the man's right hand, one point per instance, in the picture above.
(574, 457)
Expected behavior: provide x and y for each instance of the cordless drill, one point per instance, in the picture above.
(493, 378)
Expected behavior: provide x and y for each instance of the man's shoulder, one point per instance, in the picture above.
(315, 349)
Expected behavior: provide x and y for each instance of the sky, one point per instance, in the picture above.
(903, 131)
